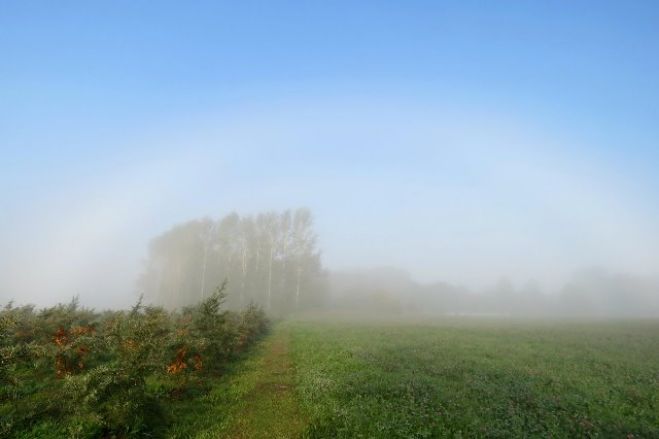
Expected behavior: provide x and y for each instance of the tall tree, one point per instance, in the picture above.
(270, 259)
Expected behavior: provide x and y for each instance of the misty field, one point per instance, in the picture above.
(347, 377)
(478, 379)
(458, 378)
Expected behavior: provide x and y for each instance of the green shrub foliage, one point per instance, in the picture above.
(89, 374)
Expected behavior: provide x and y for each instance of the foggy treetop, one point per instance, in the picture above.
(270, 259)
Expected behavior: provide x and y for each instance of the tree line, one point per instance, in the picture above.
(270, 259)
(586, 293)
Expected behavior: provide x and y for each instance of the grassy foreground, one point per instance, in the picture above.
(458, 378)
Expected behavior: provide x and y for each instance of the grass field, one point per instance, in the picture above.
(453, 378)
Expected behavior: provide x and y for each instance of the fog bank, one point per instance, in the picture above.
(588, 293)
(453, 193)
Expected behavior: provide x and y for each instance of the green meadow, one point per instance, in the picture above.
(459, 377)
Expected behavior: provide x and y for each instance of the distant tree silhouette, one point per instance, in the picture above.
(270, 259)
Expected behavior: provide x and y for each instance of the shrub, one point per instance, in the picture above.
(85, 374)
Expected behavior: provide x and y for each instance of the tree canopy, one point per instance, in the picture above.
(270, 259)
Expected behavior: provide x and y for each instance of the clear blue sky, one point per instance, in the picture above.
(371, 113)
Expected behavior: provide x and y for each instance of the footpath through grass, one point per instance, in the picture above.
(254, 400)
(455, 378)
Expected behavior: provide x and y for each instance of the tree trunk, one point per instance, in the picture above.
(242, 281)
(203, 272)
(297, 287)
(270, 277)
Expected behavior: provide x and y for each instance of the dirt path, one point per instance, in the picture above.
(269, 409)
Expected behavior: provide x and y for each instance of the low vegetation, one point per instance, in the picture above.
(478, 378)
(70, 372)
(67, 371)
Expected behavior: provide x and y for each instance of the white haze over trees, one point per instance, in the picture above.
(590, 293)
(270, 259)
(456, 195)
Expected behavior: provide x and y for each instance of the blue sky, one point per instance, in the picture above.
(401, 124)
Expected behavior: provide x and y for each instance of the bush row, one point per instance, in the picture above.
(81, 374)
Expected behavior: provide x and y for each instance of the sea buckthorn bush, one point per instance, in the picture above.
(74, 372)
